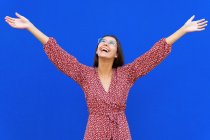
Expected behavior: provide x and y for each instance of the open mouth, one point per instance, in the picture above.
(105, 50)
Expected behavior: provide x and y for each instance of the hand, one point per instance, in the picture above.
(20, 23)
(192, 26)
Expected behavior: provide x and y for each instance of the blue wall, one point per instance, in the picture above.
(38, 102)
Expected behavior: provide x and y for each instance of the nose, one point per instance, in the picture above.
(105, 43)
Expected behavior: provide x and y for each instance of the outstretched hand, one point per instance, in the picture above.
(192, 26)
(20, 23)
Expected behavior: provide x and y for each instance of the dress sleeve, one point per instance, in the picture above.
(146, 62)
(65, 62)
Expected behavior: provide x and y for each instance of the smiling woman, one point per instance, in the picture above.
(106, 85)
(113, 42)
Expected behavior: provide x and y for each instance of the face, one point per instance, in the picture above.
(107, 48)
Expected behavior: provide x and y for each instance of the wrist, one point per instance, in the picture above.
(30, 27)
(183, 30)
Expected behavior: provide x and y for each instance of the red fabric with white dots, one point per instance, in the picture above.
(107, 119)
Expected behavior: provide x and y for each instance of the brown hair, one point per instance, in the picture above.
(119, 61)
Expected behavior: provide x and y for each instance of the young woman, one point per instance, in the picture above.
(107, 83)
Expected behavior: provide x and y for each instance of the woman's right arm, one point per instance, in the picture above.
(65, 62)
(23, 23)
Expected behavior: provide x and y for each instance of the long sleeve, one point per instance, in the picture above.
(64, 61)
(146, 62)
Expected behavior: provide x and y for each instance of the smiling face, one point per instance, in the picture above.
(107, 48)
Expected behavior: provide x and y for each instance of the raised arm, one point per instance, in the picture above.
(189, 26)
(62, 60)
(65, 62)
(23, 23)
(146, 62)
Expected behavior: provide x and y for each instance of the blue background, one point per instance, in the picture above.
(38, 102)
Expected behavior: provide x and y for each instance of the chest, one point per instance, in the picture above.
(114, 85)
(105, 82)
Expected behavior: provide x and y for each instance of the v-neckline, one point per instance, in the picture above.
(100, 82)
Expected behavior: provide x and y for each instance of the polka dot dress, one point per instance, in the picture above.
(107, 119)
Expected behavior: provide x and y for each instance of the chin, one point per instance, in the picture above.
(106, 57)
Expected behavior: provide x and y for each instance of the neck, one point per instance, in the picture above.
(105, 66)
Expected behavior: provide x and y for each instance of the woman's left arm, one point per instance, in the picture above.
(149, 60)
(189, 26)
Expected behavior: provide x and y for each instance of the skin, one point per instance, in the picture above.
(106, 60)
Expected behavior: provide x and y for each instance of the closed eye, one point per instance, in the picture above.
(103, 40)
(111, 43)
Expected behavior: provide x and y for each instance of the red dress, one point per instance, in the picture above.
(107, 119)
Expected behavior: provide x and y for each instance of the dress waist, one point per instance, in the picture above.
(114, 121)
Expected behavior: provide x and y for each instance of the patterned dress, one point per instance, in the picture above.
(107, 119)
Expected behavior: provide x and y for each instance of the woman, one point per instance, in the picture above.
(107, 83)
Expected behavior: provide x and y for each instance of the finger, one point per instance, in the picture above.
(200, 29)
(20, 16)
(201, 20)
(7, 17)
(192, 18)
(11, 24)
(202, 23)
(10, 20)
(202, 26)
